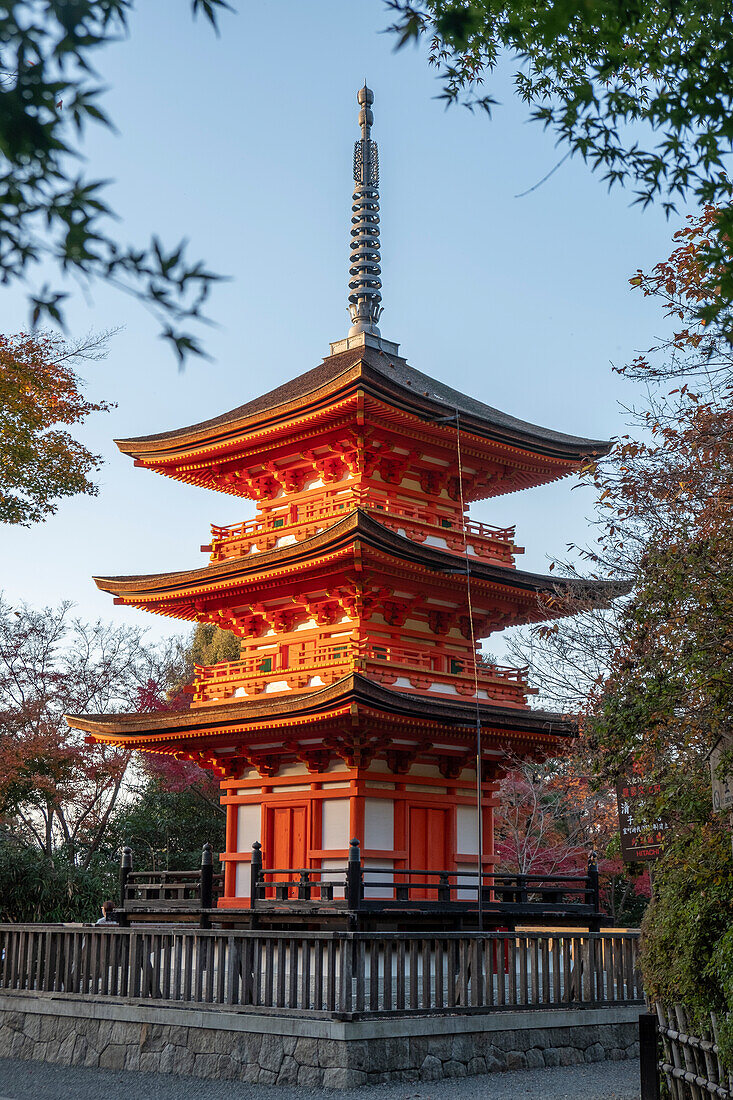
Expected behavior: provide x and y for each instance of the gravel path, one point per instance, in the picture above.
(42, 1081)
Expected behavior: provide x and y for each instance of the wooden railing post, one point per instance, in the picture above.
(594, 894)
(304, 886)
(206, 888)
(255, 870)
(648, 1056)
(125, 869)
(354, 880)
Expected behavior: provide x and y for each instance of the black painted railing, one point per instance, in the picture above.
(146, 892)
(361, 889)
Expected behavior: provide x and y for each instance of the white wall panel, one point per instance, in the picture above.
(379, 823)
(335, 823)
(249, 818)
(466, 830)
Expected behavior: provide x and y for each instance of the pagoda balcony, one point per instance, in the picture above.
(404, 668)
(486, 542)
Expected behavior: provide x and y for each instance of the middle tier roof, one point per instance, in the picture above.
(373, 557)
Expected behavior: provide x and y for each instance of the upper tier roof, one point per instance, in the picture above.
(383, 374)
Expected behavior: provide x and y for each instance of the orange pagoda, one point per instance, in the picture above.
(361, 706)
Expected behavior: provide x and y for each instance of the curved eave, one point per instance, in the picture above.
(353, 691)
(340, 537)
(388, 378)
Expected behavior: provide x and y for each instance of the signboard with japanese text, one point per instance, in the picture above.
(722, 788)
(639, 840)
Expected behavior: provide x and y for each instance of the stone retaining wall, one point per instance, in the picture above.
(295, 1050)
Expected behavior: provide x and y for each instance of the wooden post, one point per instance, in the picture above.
(354, 882)
(648, 1056)
(206, 889)
(594, 893)
(255, 869)
(125, 869)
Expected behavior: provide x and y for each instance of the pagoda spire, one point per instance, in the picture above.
(365, 284)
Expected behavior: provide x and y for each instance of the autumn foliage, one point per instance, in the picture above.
(40, 397)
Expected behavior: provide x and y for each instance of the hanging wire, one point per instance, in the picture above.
(469, 600)
(479, 768)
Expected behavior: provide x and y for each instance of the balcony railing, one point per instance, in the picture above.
(385, 663)
(419, 524)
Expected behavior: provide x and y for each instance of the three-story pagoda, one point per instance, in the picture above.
(360, 706)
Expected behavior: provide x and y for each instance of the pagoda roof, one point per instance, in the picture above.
(358, 526)
(384, 375)
(345, 701)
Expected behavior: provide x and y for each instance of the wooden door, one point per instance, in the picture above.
(288, 840)
(428, 845)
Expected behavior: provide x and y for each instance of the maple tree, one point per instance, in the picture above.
(551, 816)
(57, 792)
(40, 396)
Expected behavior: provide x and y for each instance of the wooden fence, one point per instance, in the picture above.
(327, 973)
(691, 1063)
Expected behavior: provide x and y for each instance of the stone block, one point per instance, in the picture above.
(337, 1077)
(288, 1042)
(266, 1077)
(120, 1032)
(476, 1066)
(440, 1046)
(112, 1057)
(369, 1056)
(310, 1077)
(331, 1055)
(633, 1050)
(153, 1037)
(396, 1054)
(306, 1052)
(271, 1054)
(454, 1069)
(132, 1057)
(288, 1074)
(205, 1065)
(251, 1073)
(246, 1049)
(32, 1026)
(463, 1048)
(495, 1062)
(102, 1036)
(616, 1055)
(177, 1035)
(47, 1027)
(227, 1069)
(201, 1041)
(595, 1053)
(535, 1058)
(516, 1059)
(431, 1068)
(551, 1056)
(569, 1056)
(183, 1061)
(418, 1048)
(66, 1049)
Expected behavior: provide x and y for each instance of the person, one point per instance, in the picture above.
(108, 914)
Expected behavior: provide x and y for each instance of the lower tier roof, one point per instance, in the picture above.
(354, 712)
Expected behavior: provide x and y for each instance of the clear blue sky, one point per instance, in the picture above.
(243, 144)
